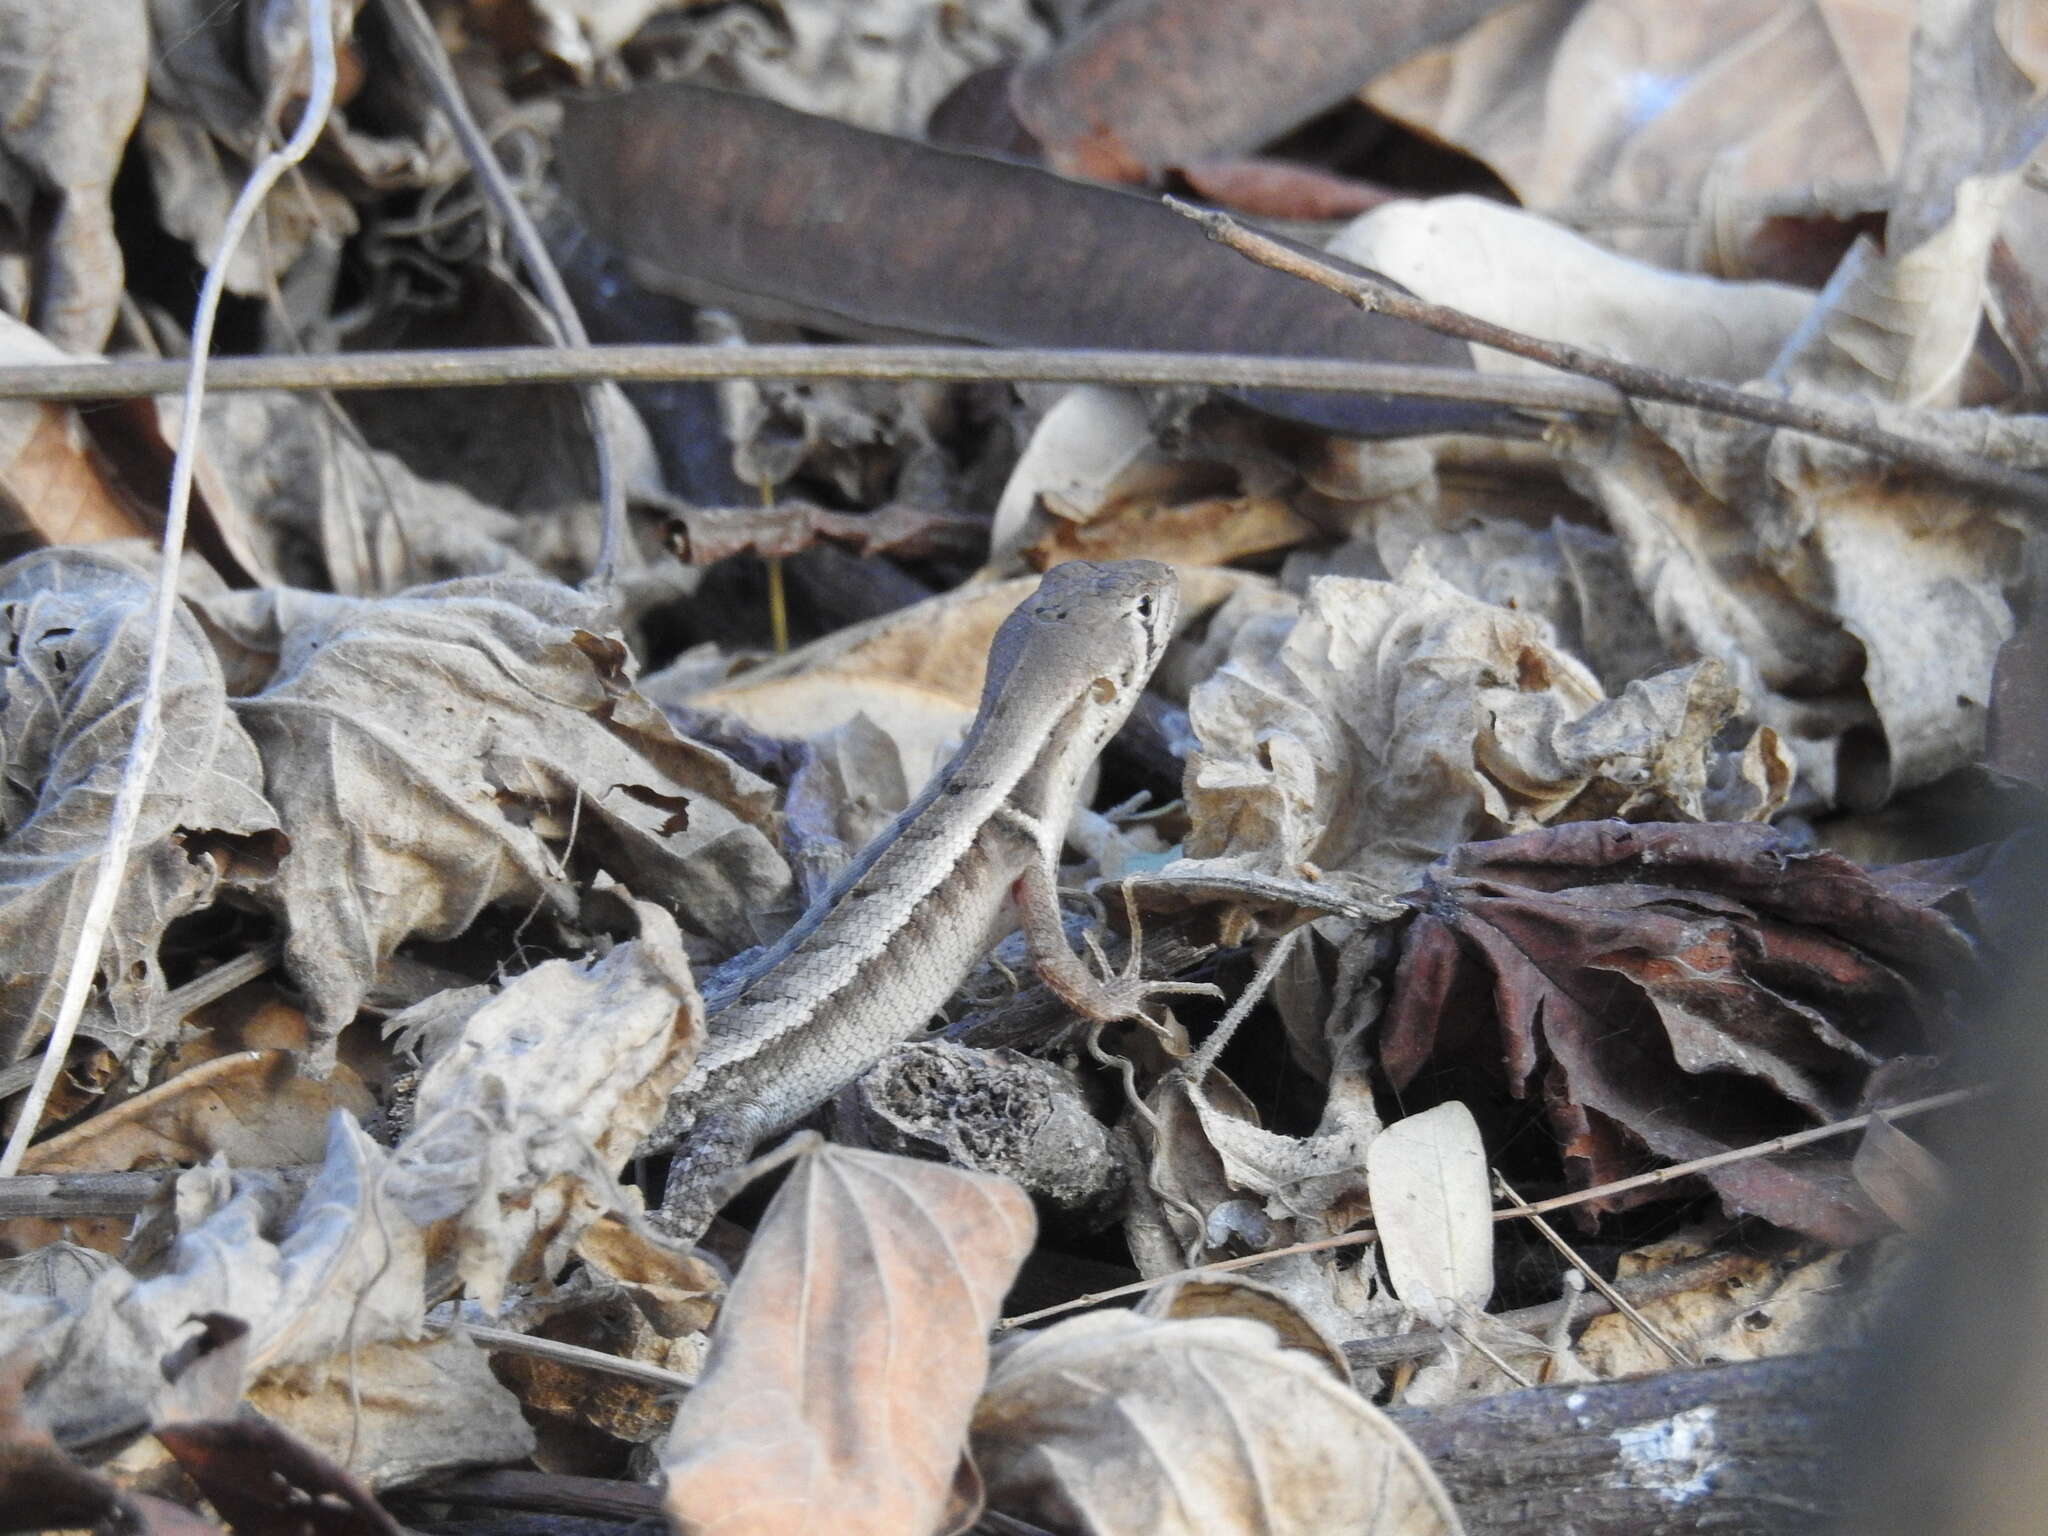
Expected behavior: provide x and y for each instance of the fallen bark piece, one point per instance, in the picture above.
(1746, 1448)
(998, 1112)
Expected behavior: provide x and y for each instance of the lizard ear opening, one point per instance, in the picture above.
(1103, 690)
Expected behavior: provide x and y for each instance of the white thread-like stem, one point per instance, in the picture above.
(142, 755)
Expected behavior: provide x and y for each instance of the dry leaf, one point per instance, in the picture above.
(1432, 1205)
(850, 1351)
(1680, 990)
(549, 1085)
(1096, 482)
(1390, 721)
(883, 67)
(396, 1413)
(1231, 1295)
(1216, 1184)
(1652, 107)
(262, 1480)
(40, 1487)
(1841, 1300)
(1902, 327)
(333, 1306)
(73, 86)
(1524, 272)
(345, 1267)
(253, 1108)
(1474, 528)
(53, 487)
(916, 672)
(338, 513)
(635, 1298)
(808, 215)
(1902, 1178)
(1860, 607)
(1115, 1423)
(211, 105)
(438, 751)
(76, 641)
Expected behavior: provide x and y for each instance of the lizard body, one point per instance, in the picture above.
(905, 922)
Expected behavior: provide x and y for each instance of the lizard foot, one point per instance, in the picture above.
(1121, 992)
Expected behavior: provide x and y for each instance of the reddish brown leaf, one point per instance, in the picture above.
(1679, 991)
(725, 199)
(265, 1481)
(1153, 83)
(41, 1488)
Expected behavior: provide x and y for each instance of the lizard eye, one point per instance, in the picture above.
(1145, 606)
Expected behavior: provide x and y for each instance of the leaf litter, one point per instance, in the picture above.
(1511, 765)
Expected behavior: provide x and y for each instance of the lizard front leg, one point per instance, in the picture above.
(1102, 998)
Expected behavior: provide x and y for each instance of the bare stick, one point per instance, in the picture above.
(135, 773)
(476, 367)
(422, 48)
(1377, 296)
(1508, 1213)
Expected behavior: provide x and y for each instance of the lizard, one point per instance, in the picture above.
(900, 928)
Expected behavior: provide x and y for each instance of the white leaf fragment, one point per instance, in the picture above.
(1433, 1208)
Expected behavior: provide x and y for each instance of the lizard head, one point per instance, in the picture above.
(1088, 638)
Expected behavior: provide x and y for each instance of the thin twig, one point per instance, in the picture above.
(1636, 1319)
(1508, 1213)
(645, 363)
(1379, 297)
(417, 40)
(135, 773)
(177, 1004)
(505, 1341)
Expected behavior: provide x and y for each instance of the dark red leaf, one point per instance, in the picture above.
(1679, 991)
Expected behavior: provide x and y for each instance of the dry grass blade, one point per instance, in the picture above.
(1619, 1302)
